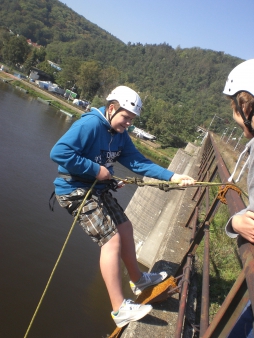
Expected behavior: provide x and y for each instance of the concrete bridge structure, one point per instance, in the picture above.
(162, 240)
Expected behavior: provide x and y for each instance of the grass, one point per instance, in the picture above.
(35, 93)
(31, 92)
(153, 154)
(169, 152)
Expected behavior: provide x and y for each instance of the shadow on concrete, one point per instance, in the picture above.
(170, 305)
(153, 320)
(163, 265)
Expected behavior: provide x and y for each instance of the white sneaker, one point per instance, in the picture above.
(147, 279)
(129, 312)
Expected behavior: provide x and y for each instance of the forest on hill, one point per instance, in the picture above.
(180, 88)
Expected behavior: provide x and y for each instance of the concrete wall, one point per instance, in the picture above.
(152, 211)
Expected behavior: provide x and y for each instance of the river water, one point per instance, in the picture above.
(76, 303)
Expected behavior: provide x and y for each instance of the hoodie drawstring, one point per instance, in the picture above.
(237, 164)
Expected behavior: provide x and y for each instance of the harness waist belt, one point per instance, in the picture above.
(81, 179)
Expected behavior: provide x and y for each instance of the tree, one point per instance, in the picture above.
(109, 78)
(37, 55)
(15, 51)
(89, 79)
(45, 67)
(68, 76)
(4, 38)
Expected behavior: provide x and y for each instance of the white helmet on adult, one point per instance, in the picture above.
(241, 78)
(127, 98)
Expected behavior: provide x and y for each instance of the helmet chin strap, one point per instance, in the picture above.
(111, 130)
(111, 118)
(246, 121)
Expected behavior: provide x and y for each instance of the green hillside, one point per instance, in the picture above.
(180, 88)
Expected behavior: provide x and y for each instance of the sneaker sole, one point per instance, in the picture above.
(135, 318)
(138, 292)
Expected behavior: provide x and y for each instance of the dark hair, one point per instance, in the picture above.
(243, 98)
(114, 102)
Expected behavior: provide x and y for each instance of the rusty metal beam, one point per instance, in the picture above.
(206, 169)
(235, 203)
(205, 159)
(204, 321)
(230, 310)
(210, 179)
(183, 300)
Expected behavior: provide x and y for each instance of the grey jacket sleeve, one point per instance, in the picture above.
(229, 229)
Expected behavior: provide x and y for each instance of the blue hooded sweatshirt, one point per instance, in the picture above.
(89, 144)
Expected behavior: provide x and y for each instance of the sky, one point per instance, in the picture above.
(219, 25)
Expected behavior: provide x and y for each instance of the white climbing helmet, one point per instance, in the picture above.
(127, 98)
(241, 78)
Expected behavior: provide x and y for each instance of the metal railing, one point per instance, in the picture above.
(211, 165)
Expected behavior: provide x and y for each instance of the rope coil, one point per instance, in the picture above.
(224, 189)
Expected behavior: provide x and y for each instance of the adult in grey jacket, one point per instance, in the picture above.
(240, 89)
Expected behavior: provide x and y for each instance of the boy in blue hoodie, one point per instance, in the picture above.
(240, 89)
(86, 152)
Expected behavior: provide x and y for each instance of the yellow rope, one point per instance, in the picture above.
(168, 185)
(58, 259)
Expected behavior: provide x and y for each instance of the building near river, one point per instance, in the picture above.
(140, 133)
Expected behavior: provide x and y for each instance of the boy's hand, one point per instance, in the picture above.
(182, 180)
(244, 225)
(104, 174)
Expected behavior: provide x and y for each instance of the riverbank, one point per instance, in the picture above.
(152, 150)
(53, 99)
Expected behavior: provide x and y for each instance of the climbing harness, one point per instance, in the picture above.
(111, 184)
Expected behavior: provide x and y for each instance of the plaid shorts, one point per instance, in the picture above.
(99, 216)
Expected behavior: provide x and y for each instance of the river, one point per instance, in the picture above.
(76, 304)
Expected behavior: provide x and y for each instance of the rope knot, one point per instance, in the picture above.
(224, 189)
(139, 181)
(163, 186)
